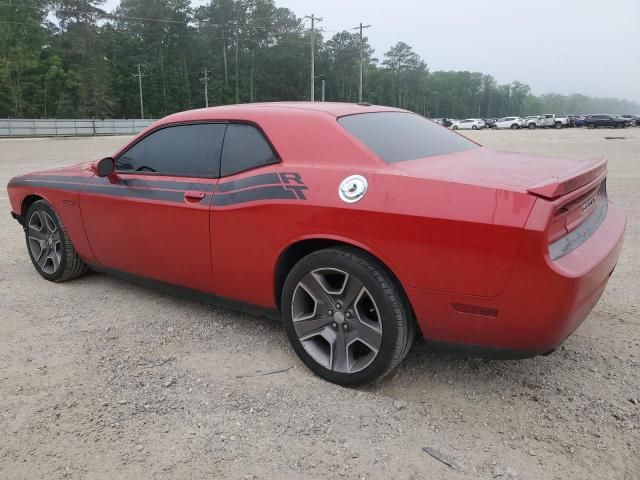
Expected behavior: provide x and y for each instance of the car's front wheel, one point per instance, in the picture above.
(345, 317)
(591, 126)
(49, 246)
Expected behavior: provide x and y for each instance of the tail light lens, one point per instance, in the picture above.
(568, 217)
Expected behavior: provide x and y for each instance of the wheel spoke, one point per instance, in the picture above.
(37, 247)
(306, 328)
(53, 254)
(42, 259)
(340, 354)
(351, 291)
(36, 234)
(49, 223)
(315, 289)
(366, 334)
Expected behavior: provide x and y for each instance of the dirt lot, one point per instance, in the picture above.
(104, 379)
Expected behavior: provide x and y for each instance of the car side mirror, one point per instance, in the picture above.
(105, 167)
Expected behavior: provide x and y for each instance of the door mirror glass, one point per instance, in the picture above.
(105, 167)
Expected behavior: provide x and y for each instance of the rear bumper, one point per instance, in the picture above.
(544, 302)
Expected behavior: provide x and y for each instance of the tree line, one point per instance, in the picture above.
(72, 59)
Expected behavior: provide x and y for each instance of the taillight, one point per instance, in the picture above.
(558, 226)
(568, 217)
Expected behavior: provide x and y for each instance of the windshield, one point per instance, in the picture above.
(399, 136)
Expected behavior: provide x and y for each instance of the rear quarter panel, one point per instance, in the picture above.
(433, 235)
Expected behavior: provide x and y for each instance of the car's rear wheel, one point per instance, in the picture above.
(591, 125)
(455, 127)
(473, 127)
(345, 317)
(514, 126)
(532, 126)
(619, 125)
(49, 246)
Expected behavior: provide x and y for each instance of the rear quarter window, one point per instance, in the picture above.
(399, 136)
(245, 148)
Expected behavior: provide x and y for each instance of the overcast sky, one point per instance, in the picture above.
(563, 46)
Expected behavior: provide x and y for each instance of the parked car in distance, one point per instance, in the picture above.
(489, 122)
(628, 122)
(561, 121)
(604, 120)
(468, 124)
(549, 120)
(635, 119)
(533, 121)
(355, 225)
(576, 120)
(508, 122)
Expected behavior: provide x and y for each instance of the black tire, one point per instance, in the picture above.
(70, 265)
(558, 125)
(619, 125)
(473, 127)
(591, 125)
(514, 126)
(396, 320)
(532, 126)
(455, 127)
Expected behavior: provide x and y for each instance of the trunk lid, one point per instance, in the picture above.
(548, 177)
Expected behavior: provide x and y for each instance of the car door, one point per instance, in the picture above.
(251, 181)
(152, 219)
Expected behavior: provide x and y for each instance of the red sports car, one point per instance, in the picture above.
(358, 225)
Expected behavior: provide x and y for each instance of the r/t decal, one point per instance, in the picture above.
(293, 181)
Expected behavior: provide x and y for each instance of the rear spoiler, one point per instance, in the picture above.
(583, 174)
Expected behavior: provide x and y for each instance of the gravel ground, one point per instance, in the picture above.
(104, 379)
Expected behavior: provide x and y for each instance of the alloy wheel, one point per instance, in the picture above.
(336, 320)
(44, 241)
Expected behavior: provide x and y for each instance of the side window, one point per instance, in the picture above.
(245, 148)
(184, 150)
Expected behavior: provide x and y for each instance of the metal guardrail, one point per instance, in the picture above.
(22, 127)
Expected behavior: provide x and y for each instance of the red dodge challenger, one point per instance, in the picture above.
(358, 225)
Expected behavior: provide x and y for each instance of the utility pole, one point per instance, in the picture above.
(361, 27)
(205, 79)
(224, 56)
(323, 89)
(313, 53)
(237, 77)
(251, 91)
(140, 75)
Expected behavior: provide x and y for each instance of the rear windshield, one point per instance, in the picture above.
(398, 136)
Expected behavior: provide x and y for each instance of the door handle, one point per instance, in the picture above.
(194, 195)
